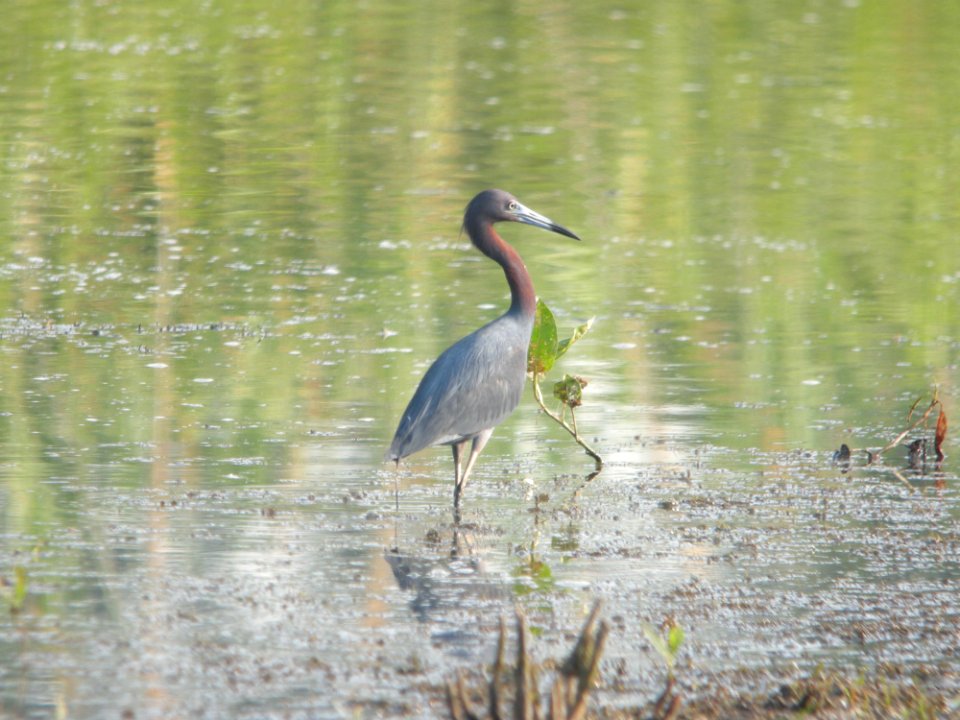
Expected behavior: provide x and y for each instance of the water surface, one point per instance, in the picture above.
(230, 249)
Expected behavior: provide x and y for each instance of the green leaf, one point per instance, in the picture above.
(578, 333)
(667, 646)
(569, 391)
(659, 644)
(542, 353)
(675, 639)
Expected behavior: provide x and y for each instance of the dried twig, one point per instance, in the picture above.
(523, 700)
(570, 690)
(495, 679)
(934, 403)
(583, 666)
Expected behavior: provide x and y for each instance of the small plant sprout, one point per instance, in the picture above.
(666, 642)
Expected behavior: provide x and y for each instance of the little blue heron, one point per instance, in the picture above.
(477, 382)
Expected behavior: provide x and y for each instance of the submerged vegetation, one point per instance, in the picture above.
(14, 592)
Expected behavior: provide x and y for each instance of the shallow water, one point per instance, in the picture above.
(231, 249)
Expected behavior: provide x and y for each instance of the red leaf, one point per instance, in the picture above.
(941, 434)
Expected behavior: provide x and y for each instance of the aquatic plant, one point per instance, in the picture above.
(666, 642)
(545, 349)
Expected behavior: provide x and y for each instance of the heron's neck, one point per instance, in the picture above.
(523, 298)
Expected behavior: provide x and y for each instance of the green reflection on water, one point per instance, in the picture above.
(229, 231)
(764, 191)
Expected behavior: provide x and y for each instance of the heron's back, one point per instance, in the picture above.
(474, 385)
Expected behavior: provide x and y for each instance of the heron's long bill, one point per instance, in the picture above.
(531, 217)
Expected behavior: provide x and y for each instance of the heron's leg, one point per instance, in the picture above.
(478, 442)
(457, 455)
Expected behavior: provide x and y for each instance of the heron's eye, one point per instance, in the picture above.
(512, 206)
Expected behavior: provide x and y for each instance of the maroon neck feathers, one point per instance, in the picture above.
(523, 298)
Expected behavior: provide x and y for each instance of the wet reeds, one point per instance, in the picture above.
(518, 688)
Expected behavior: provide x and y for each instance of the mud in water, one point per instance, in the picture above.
(333, 594)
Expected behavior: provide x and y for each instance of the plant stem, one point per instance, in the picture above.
(563, 423)
(896, 441)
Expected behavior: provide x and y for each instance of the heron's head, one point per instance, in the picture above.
(500, 206)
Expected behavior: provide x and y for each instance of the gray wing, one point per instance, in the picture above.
(474, 385)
